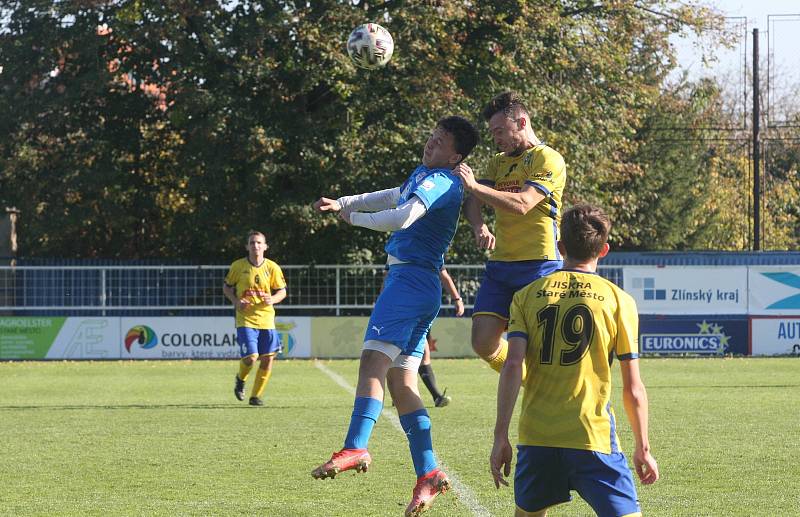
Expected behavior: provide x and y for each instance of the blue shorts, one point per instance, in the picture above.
(406, 307)
(502, 279)
(258, 341)
(545, 476)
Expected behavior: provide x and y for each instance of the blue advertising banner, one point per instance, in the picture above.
(703, 334)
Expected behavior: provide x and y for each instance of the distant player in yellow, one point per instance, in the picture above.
(255, 284)
(567, 327)
(523, 183)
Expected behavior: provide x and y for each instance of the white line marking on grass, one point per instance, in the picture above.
(463, 492)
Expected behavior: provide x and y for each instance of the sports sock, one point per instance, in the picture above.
(429, 378)
(262, 378)
(499, 359)
(366, 411)
(244, 369)
(417, 426)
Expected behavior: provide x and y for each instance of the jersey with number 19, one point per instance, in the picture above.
(574, 322)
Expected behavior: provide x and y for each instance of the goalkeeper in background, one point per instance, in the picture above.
(254, 285)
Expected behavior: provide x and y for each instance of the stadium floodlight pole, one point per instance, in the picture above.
(756, 149)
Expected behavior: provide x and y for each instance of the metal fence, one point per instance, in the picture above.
(319, 290)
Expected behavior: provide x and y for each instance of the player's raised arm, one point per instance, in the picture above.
(371, 201)
(388, 220)
(367, 202)
(514, 202)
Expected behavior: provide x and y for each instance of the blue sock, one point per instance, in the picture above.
(417, 426)
(366, 411)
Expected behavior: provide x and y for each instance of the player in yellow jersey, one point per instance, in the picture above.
(567, 327)
(254, 285)
(523, 183)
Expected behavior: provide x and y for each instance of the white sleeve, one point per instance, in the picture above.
(371, 201)
(393, 219)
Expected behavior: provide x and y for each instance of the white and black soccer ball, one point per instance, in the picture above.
(370, 46)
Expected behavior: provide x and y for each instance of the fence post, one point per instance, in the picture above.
(103, 290)
(338, 294)
(756, 148)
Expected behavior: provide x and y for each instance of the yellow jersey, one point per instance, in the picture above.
(573, 322)
(253, 283)
(532, 236)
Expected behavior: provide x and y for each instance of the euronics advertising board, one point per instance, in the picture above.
(705, 335)
(774, 290)
(775, 335)
(137, 338)
(687, 289)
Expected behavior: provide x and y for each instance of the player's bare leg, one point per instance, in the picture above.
(487, 332)
(488, 342)
(372, 371)
(404, 389)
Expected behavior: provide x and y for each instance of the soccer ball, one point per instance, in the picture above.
(370, 46)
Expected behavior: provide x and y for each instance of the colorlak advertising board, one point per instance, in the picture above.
(202, 338)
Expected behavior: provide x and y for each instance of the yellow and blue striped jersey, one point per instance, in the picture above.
(573, 322)
(531, 236)
(253, 282)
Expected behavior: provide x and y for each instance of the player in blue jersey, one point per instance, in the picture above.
(422, 215)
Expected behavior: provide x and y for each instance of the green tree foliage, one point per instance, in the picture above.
(782, 191)
(144, 129)
(696, 187)
(694, 191)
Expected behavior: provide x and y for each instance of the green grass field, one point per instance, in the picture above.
(168, 438)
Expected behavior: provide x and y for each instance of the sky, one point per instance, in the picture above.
(779, 42)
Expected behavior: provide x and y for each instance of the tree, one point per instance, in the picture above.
(168, 129)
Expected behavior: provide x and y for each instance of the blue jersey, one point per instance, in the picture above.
(426, 241)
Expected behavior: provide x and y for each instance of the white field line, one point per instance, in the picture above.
(463, 492)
